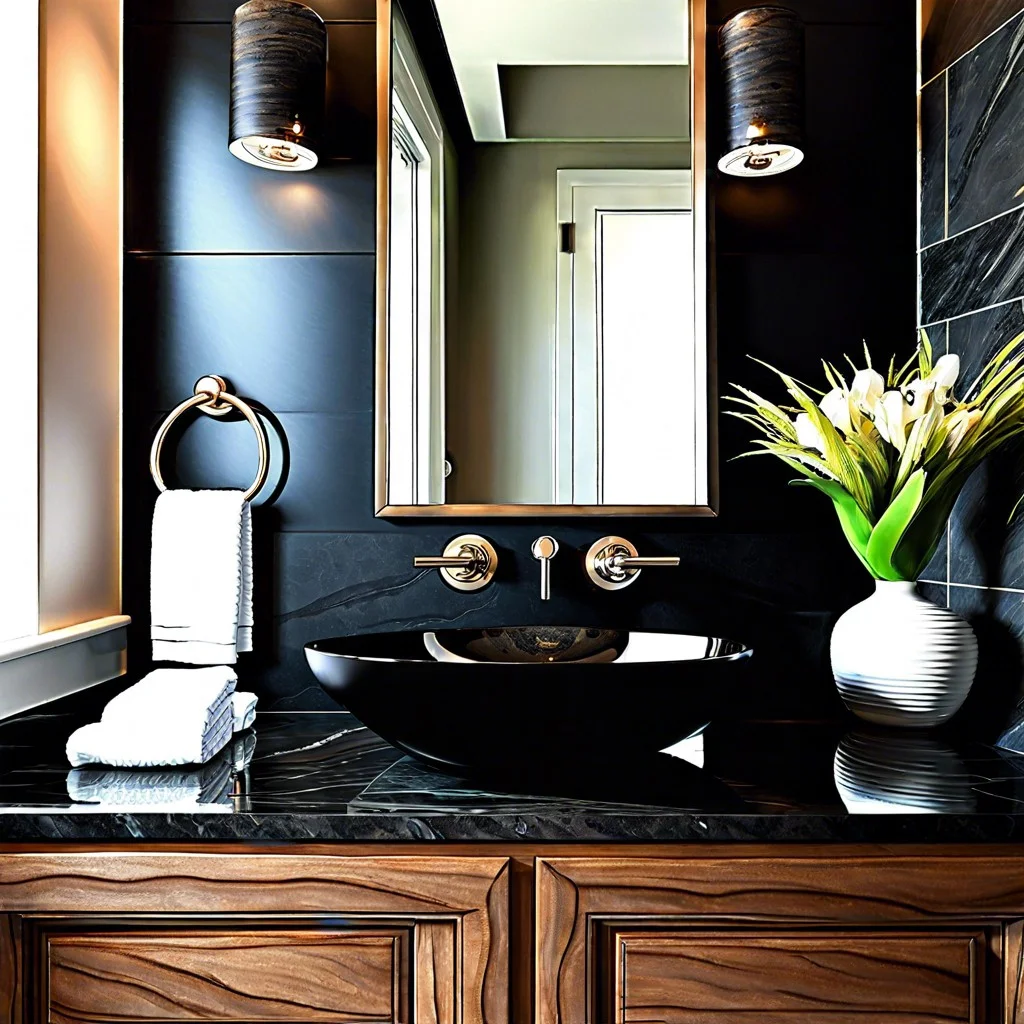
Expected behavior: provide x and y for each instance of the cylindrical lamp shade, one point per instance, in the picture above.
(762, 51)
(278, 79)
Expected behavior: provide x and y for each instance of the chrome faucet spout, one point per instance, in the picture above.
(544, 549)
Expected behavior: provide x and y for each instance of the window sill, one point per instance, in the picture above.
(38, 669)
(25, 645)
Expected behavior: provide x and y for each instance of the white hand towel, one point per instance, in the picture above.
(243, 707)
(171, 717)
(207, 789)
(201, 577)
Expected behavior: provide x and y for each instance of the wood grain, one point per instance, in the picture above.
(470, 893)
(261, 975)
(437, 973)
(695, 977)
(805, 890)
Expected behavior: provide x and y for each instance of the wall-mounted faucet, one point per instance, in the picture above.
(544, 549)
(468, 562)
(613, 563)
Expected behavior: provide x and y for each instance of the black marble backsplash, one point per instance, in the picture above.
(972, 293)
(268, 279)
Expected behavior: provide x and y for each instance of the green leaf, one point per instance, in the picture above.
(855, 524)
(890, 528)
(924, 355)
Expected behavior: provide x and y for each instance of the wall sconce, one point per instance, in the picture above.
(278, 79)
(762, 51)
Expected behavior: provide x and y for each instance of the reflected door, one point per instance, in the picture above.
(627, 358)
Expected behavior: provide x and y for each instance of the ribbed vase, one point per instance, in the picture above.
(900, 660)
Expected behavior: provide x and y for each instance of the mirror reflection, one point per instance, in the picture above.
(546, 343)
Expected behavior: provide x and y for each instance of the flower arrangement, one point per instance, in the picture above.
(893, 452)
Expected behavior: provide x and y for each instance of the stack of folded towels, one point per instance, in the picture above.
(173, 716)
(185, 716)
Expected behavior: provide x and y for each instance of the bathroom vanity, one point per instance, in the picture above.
(332, 879)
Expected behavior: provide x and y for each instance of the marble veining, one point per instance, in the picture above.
(324, 776)
(971, 271)
(986, 548)
(956, 26)
(986, 129)
(933, 161)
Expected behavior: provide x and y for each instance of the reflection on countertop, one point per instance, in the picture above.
(324, 776)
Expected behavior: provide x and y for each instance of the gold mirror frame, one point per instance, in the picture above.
(703, 284)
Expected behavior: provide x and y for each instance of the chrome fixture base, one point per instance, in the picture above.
(613, 563)
(468, 562)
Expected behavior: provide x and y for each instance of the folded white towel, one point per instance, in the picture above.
(243, 708)
(172, 716)
(205, 789)
(201, 577)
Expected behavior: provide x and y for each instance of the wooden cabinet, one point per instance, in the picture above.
(781, 936)
(289, 936)
(488, 935)
(872, 977)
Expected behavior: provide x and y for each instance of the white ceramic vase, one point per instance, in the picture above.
(900, 660)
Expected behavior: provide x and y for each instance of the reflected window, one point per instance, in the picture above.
(415, 284)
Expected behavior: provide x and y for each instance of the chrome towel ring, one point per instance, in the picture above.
(213, 398)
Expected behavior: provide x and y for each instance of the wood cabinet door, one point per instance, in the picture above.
(159, 937)
(777, 977)
(786, 936)
(277, 971)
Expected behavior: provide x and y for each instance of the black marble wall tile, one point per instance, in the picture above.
(187, 193)
(955, 26)
(971, 271)
(933, 161)
(993, 708)
(986, 129)
(937, 593)
(987, 549)
(978, 337)
(292, 332)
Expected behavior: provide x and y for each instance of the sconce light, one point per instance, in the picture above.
(278, 78)
(762, 51)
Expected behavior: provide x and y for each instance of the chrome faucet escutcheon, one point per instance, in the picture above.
(544, 549)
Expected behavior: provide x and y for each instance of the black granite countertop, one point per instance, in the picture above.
(322, 776)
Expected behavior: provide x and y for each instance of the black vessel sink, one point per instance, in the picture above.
(495, 698)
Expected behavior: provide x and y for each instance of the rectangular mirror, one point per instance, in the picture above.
(542, 338)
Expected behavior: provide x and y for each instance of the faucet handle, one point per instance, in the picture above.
(544, 549)
(468, 562)
(613, 563)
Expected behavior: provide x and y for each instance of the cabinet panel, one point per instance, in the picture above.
(867, 935)
(681, 977)
(456, 908)
(251, 975)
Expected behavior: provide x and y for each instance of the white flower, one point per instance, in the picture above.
(837, 407)
(898, 411)
(854, 411)
(867, 389)
(807, 434)
(958, 424)
(892, 419)
(937, 384)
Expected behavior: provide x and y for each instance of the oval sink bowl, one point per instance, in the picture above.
(471, 699)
